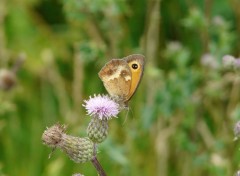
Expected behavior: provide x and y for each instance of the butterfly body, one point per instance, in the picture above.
(121, 77)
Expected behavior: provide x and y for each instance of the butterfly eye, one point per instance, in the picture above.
(135, 66)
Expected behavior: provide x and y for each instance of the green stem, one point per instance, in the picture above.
(98, 166)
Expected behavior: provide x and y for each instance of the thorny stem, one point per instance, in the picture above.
(98, 166)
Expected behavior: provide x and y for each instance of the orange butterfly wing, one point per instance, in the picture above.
(121, 77)
(136, 64)
(116, 77)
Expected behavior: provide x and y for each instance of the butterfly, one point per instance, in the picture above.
(121, 77)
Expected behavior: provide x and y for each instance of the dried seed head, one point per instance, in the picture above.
(52, 136)
(78, 149)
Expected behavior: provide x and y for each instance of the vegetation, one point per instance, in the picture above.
(182, 116)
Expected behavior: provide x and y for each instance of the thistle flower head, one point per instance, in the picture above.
(101, 106)
(78, 149)
(52, 136)
(237, 63)
(228, 61)
(209, 61)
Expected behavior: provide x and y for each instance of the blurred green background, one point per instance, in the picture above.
(182, 116)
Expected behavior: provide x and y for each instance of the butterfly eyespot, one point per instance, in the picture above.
(135, 66)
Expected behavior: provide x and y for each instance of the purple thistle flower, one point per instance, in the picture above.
(102, 107)
(209, 60)
(228, 61)
(237, 63)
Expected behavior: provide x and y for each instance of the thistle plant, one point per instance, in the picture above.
(100, 108)
(78, 149)
(230, 62)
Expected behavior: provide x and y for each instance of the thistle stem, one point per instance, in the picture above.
(94, 149)
(98, 166)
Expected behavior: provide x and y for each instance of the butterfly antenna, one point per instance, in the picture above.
(128, 109)
(51, 153)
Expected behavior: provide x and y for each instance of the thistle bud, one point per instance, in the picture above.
(77, 174)
(97, 130)
(78, 149)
